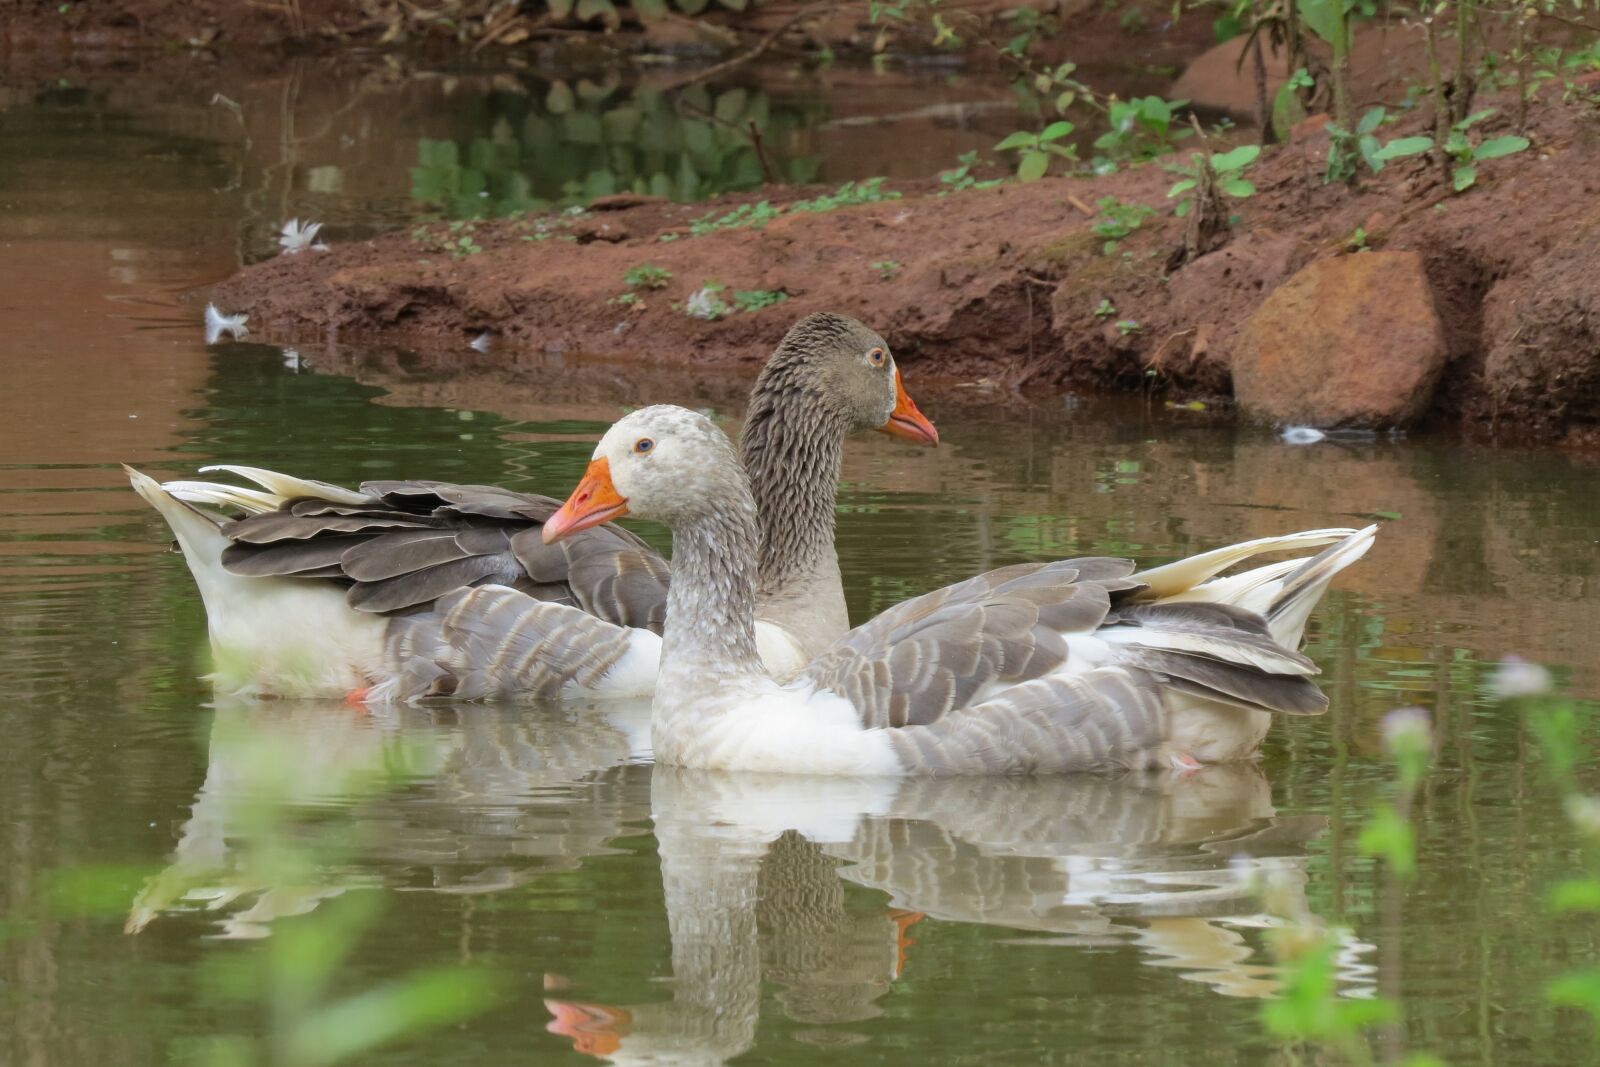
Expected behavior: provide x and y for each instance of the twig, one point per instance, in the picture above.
(1080, 205)
(719, 69)
(761, 154)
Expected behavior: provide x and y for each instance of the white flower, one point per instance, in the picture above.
(218, 324)
(292, 360)
(704, 303)
(295, 238)
(1302, 435)
(1516, 677)
(1407, 728)
(1585, 814)
(481, 342)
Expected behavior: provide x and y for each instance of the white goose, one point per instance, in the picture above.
(1074, 665)
(411, 589)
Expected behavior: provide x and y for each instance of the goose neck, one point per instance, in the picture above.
(710, 627)
(791, 448)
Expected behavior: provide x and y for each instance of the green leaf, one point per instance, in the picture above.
(1577, 989)
(1237, 159)
(692, 7)
(422, 1002)
(1474, 118)
(1286, 111)
(1370, 121)
(1390, 837)
(588, 10)
(1033, 165)
(1180, 187)
(1401, 147)
(558, 101)
(650, 10)
(1182, 209)
(1579, 894)
(1238, 187)
(1369, 151)
(1055, 131)
(1319, 15)
(561, 8)
(1465, 175)
(1017, 140)
(1496, 147)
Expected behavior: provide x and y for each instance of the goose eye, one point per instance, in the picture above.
(877, 357)
(644, 444)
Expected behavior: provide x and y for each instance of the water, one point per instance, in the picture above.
(630, 909)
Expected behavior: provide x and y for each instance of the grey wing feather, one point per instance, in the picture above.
(927, 657)
(409, 542)
(494, 641)
(1104, 719)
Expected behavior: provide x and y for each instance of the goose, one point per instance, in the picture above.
(408, 589)
(1073, 665)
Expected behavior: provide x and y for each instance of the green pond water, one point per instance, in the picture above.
(165, 858)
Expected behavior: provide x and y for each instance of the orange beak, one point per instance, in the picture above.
(595, 501)
(594, 1029)
(906, 421)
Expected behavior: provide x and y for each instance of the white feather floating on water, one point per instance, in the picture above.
(1302, 435)
(481, 342)
(218, 324)
(295, 238)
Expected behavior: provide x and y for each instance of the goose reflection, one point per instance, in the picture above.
(752, 867)
(446, 800)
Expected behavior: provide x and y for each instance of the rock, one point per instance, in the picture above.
(1350, 341)
(1217, 80)
(1541, 331)
(589, 229)
(624, 201)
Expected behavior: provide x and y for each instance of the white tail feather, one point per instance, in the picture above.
(269, 636)
(289, 487)
(1184, 574)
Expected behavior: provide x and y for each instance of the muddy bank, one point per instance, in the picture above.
(1495, 311)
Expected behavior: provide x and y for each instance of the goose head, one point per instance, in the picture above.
(663, 463)
(832, 368)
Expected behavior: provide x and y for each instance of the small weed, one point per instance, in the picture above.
(1459, 147)
(955, 181)
(1127, 326)
(868, 191)
(1225, 168)
(646, 276)
(1357, 242)
(756, 299)
(1105, 309)
(1141, 128)
(886, 268)
(1117, 220)
(631, 301)
(1035, 149)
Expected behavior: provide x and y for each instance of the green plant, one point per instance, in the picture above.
(1117, 220)
(757, 215)
(1357, 241)
(1105, 309)
(1224, 171)
(1347, 147)
(1459, 149)
(1560, 727)
(646, 276)
(1127, 326)
(886, 268)
(627, 300)
(1035, 149)
(756, 299)
(1140, 128)
(954, 181)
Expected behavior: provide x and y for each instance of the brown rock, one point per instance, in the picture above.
(589, 229)
(1351, 341)
(624, 201)
(1217, 80)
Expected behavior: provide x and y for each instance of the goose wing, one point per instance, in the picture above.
(400, 546)
(925, 658)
